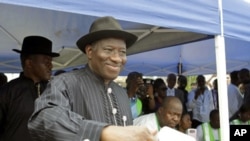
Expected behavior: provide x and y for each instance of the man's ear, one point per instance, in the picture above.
(28, 63)
(88, 51)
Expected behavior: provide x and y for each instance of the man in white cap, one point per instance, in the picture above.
(87, 104)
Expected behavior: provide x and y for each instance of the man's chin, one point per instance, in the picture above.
(111, 76)
(47, 78)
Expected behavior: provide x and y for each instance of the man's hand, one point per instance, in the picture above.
(199, 92)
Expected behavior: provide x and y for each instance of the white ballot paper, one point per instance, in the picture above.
(169, 134)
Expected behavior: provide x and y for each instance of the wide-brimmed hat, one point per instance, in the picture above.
(37, 45)
(103, 28)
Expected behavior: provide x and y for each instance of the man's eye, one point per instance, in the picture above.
(123, 51)
(108, 49)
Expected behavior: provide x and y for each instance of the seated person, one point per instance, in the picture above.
(210, 131)
(243, 116)
(185, 122)
(168, 114)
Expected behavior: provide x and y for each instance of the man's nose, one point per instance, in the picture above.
(115, 56)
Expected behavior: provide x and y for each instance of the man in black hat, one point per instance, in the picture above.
(86, 104)
(17, 97)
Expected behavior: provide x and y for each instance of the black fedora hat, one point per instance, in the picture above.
(105, 27)
(37, 45)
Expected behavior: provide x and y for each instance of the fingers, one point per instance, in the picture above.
(154, 137)
(154, 132)
(151, 135)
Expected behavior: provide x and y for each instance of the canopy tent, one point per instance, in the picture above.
(195, 58)
(64, 22)
(236, 20)
(158, 25)
(197, 16)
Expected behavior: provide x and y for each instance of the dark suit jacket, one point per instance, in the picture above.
(247, 93)
(181, 96)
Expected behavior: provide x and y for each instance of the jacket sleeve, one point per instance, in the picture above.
(1, 112)
(54, 120)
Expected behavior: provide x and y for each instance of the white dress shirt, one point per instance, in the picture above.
(170, 92)
(202, 106)
(234, 99)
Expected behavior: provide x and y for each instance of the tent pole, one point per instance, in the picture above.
(222, 87)
(222, 78)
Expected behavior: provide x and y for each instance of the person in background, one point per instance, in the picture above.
(210, 131)
(215, 93)
(17, 97)
(169, 114)
(189, 109)
(3, 79)
(87, 104)
(134, 81)
(182, 84)
(242, 90)
(200, 101)
(148, 96)
(160, 89)
(244, 78)
(140, 94)
(235, 99)
(172, 91)
(243, 117)
(185, 123)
